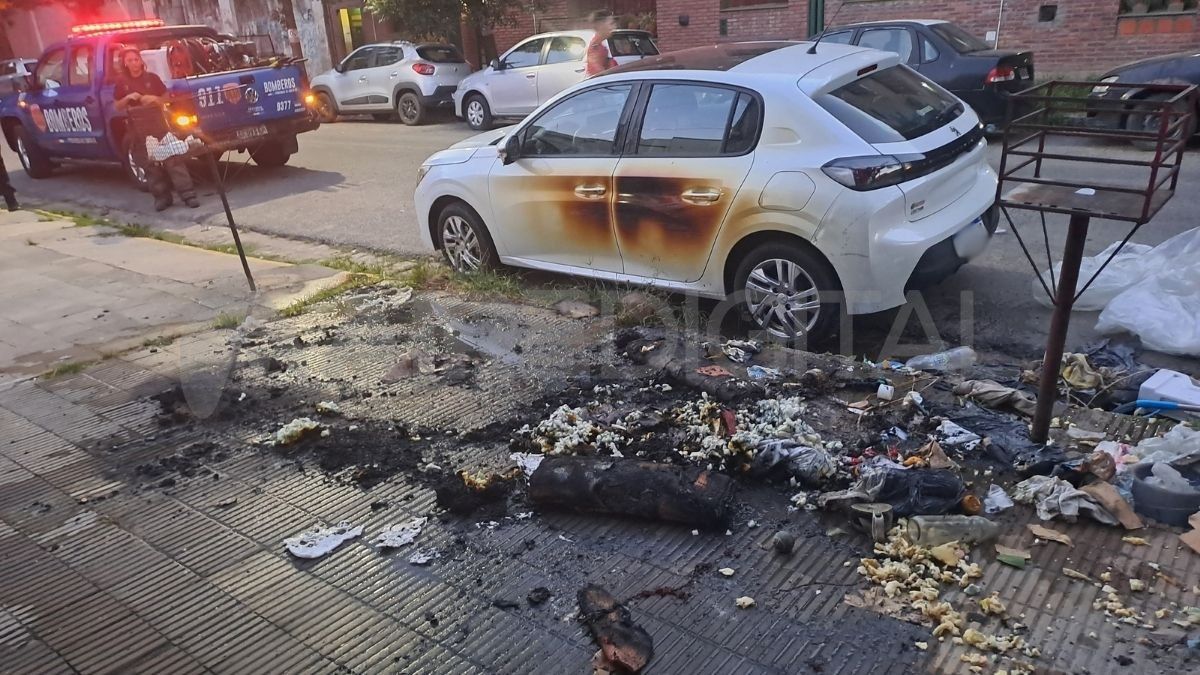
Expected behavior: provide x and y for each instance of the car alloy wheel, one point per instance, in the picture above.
(461, 244)
(137, 171)
(23, 153)
(408, 108)
(782, 298)
(475, 113)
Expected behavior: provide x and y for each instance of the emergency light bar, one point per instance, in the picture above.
(113, 26)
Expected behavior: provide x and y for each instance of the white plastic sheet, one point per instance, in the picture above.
(1153, 293)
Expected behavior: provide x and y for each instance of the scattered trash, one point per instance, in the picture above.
(224, 503)
(538, 596)
(713, 371)
(1012, 557)
(997, 500)
(295, 430)
(320, 541)
(995, 395)
(1180, 445)
(1192, 538)
(623, 644)
(527, 462)
(1136, 541)
(505, 603)
(783, 542)
(953, 435)
(402, 534)
(763, 373)
(328, 408)
(1075, 574)
(809, 465)
(1164, 493)
(726, 571)
(423, 557)
(935, 457)
(1048, 534)
(1054, 497)
(952, 359)
(464, 493)
(680, 494)
(874, 519)
(937, 530)
(744, 602)
(741, 351)
(1107, 496)
(406, 366)
(993, 605)
(1171, 385)
(1079, 374)
(576, 309)
(885, 392)
(917, 491)
(1137, 585)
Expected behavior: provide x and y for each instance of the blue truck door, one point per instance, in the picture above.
(66, 114)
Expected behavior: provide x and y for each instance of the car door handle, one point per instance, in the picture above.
(701, 196)
(590, 191)
(580, 70)
(530, 76)
(394, 75)
(362, 79)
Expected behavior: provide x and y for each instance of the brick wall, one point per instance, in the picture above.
(1082, 40)
(771, 21)
(555, 15)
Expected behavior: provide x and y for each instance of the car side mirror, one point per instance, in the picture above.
(511, 151)
(497, 64)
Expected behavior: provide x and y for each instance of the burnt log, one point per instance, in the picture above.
(628, 487)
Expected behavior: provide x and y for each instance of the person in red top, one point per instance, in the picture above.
(599, 58)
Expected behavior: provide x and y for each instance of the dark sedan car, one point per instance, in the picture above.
(950, 56)
(1183, 68)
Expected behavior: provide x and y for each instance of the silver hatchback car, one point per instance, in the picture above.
(399, 79)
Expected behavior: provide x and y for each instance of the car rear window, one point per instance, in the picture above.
(891, 105)
(632, 44)
(440, 54)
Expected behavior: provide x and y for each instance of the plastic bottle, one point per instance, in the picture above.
(937, 530)
(952, 359)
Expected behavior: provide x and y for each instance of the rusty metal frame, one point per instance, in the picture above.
(1026, 140)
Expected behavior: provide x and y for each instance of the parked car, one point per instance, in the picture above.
(950, 56)
(395, 79)
(235, 98)
(13, 74)
(1108, 109)
(535, 70)
(756, 171)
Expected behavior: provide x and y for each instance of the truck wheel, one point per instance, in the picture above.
(270, 155)
(410, 109)
(326, 110)
(33, 158)
(477, 112)
(135, 172)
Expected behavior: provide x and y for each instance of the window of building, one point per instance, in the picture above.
(1157, 6)
(737, 4)
(1047, 13)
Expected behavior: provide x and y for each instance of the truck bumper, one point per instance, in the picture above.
(272, 130)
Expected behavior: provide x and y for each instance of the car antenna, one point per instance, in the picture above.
(813, 49)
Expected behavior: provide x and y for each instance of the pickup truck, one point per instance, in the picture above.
(219, 90)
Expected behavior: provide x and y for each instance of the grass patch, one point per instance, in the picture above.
(227, 320)
(65, 369)
(485, 283)
(147, 232)
(160, 341)
(304, 304)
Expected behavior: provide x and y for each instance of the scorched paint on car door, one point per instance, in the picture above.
(679, 175)
(554, 204)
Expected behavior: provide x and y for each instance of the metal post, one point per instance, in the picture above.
(237, 240)
(1064, 300)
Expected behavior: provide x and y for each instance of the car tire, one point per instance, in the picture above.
(410, 109)
(1149, 122)
(477, 112)
(135, 173)
(780, 284)
(270, 155)
(33, 159)
(326, 109)
(464, 240)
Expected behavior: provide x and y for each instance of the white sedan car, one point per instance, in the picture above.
(795, 182)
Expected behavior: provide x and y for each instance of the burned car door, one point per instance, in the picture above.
(686, 158)
(553, 204)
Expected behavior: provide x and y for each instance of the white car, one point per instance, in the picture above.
(793, 182)
(536, 70)
(395, 79)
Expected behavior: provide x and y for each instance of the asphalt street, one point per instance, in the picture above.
(352, 184)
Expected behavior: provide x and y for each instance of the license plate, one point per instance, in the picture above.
(251, 132)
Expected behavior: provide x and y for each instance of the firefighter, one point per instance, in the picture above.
(141, 95)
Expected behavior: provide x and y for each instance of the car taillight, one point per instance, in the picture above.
(1000, 74)
(423, 68)
(868, 173)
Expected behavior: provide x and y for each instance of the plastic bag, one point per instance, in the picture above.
(807, 464)
(917, 492)
(1123, 272)
(1054, 497)
(997, 500)
(1162, 307)
(1180, 445)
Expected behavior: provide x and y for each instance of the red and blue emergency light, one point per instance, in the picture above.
(115, 26)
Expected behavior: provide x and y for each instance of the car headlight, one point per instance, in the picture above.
(421, 171)
(1102, 88)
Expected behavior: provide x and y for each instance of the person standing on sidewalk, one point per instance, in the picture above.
(141, 95)
(599, 58)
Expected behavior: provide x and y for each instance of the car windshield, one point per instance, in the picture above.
(440, 53)
(891, 105)
(632, 44)
(962, 41)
